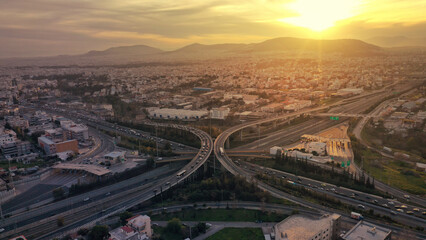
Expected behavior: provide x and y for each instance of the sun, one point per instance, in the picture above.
(319, 15)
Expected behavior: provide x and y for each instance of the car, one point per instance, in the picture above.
(393, 213)
(86, 199)
(361, 206)
(375, 201)
(2, 230)
(416, 209)
(400, 210)
(410, 212)
(108, 193)
(385, 205)
(407, 196)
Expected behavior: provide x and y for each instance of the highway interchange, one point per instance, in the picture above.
(112, 199)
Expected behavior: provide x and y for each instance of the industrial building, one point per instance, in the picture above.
(309, 228)
(181, 114)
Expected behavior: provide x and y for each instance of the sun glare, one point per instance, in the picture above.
(319, 15)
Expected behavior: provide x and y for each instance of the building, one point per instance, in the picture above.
(137, 228)
(47, 145)
(23, 147)
(142, 224)
(6, 138)
(299, 155)
(421, 167)
(50, 147)
(304, 227)
(115, 157)
(76, 131)
(181, 114)
(274, 150)
(272, 108)
(92, 171)
(366, 230)
(123, 233)
(9, 150)
(219, 113)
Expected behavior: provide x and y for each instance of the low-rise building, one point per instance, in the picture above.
(181, 114)
(366, 230)
(115, 157)
(305, 227)
(219, 113)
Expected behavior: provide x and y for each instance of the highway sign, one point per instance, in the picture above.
(348, 163)
(334, 118)
(343, 164)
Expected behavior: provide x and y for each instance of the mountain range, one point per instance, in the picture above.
(143, 53)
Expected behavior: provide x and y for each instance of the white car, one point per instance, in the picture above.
(86, 199)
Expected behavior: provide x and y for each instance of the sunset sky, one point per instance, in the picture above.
(52, 27)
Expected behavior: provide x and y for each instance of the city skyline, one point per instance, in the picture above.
(46, 28)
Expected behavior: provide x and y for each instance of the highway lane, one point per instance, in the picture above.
(164, 184)
(380, 185)
(230, 166)
(349, 195)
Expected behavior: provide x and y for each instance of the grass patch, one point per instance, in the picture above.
(396, 173)
(238, 233)
(227, 215)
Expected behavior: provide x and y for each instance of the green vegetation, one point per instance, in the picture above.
(228, 215)
(144, 146)
(396, 173)
(172, 134)
(39, 163)
(225, 187)
(413, 142)
(176, 230)
(99, 232)
(238, 233)
(302, 167)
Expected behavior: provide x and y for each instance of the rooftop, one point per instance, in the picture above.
(303, 227)
(366, 230)
(99, 171)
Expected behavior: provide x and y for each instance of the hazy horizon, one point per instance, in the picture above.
(49, 28)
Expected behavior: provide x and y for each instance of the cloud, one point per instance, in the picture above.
(27, 28)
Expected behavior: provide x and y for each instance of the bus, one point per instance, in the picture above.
(222, 152)
(181, 173)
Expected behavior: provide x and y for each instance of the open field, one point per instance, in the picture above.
(238, 233)
(229, 215)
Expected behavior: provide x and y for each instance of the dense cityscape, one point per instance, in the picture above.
(285, 139)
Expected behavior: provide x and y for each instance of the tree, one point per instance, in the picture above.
(124, 216)
(202, 227)
(99, 232)
(58, 193)
(174, 226)
(83, 231)
(150, 162)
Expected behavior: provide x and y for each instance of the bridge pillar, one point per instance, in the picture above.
(241, 135)
(227, 144)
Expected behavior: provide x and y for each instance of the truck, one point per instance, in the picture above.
(356, 216)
